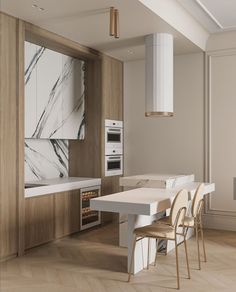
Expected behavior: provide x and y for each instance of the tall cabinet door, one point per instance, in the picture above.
(112, 96)
(222, 131)
(112, 88)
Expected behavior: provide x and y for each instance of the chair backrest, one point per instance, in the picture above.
(180, 201)
(196, 199)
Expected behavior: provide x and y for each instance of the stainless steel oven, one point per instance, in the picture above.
(113, 165)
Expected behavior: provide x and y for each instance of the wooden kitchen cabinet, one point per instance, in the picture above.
(39, 220)
(51, 216)
(112, 96)
(112, 88)
(67, 213)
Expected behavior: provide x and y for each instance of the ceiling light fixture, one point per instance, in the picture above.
(117, 25)
(159, 75)
(37, 7)
(114, 23)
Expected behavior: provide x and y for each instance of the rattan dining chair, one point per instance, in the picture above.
(167, 232)
(193, 221)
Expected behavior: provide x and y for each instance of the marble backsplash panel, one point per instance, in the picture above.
(45, 159)
(54, 94)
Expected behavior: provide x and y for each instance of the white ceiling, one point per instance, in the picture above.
(214, 15)
(87, 22)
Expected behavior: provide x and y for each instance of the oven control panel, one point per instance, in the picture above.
(114, 123)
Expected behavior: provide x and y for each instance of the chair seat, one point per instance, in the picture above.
(164, 220)
(156, 230)
(188, 221)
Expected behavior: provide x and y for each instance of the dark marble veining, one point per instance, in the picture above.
(45, 159)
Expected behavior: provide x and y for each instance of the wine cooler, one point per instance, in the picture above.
(88, 217)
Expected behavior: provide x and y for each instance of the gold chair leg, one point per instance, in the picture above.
(141, 241)
(186, 253)
(148, 255)
(198, 248)
(157, 242)
(177, 263)
(166, 243)
(203, 243)
(132, 258)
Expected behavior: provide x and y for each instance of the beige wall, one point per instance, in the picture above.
(165, 145)
(176, 145)
(221, 41)
(221, 162)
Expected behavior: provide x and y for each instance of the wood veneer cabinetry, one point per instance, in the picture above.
(51, 217)
(39, 220)
(85, 156)
(9, 135)
(112, 100)
(104, 99)
(112, 88)
(67, 214)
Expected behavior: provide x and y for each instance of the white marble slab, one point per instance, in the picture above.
(144, 201)
(54, 94)
(165, 181)
(45, 159)
(60, 185)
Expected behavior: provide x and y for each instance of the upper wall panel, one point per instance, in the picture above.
(54, 94)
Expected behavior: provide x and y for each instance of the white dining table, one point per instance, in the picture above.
(142, 206)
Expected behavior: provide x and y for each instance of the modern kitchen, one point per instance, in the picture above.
(117, 145)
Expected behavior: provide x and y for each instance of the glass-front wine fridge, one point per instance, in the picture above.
(88, 217)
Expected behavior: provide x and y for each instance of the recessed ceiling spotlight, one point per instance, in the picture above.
(130, 52)
(37, 7)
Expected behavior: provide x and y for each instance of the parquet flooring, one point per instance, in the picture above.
(92, 262)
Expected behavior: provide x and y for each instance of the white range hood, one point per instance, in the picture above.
(159, 75)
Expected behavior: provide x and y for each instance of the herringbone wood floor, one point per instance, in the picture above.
(92, 261)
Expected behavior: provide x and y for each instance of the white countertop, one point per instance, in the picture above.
(144, 201)
(165, 181)
(56, 185)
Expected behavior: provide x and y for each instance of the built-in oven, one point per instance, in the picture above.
(113, 165)
(113, 135)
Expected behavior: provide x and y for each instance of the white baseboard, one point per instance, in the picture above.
(221, 222)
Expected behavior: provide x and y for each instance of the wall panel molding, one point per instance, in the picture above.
(218, 221)
(214, 217)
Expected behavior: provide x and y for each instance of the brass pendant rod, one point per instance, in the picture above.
(112, 21)
(117, 24)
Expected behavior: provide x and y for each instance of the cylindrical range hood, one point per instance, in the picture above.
(159, 75)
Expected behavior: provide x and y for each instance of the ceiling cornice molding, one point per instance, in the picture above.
(205, 9)
(180, 19)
